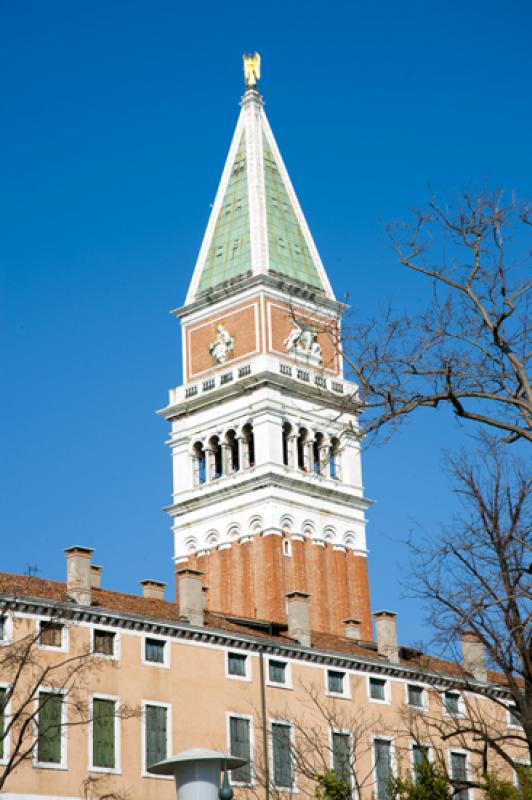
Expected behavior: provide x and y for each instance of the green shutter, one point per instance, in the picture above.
(240, 747)
(103, 733)
(156, 734)
(49, 741)
(282, 755)
(383, 768)
(341, 756)
(3, 696)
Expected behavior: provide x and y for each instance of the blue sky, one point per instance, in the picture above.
(116, 121)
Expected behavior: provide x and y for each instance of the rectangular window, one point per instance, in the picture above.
(335, 681)
(512, 719)
(415, 696)
(104, 642)
(382, 751)
(240, 746)
(283, 776)
(3, 628)
(377, 689)
(236, 664)
(50, 634)
(459, 775)
(49, 728)
(154, 651)
(3, 701)
(277, 671)
(103, 733)
(156, 738)
(452, 702)
(420, 755)
(341, 755)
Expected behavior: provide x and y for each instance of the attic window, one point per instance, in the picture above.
(50, 634)
(104, 642)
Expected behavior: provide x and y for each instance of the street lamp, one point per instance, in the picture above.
(197, 773)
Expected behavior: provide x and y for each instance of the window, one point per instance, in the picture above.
(335, 681)
(50, 634)
(452, 703)
(154, 651)
(382, 754)
(283, 776)
(49, 728)
(512, 718)
(420, 755)
(104, 733)
(287, 548)
(277, 671)
(156, 733)
(341, 755)
(415, 696)
(3, 628)
(237, 665)
(459, 776)
(3, 703)
(377, 689)
(240, 746)
(104, 642)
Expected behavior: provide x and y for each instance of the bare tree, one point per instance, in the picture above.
(34, 678)
(469, 348)
(476, 577)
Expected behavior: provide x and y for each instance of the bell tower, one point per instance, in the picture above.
(267, 486)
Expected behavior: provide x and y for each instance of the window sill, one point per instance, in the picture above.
(106, 770)
(158, 664)
(43, 765)
(273, 685)
(338, 695)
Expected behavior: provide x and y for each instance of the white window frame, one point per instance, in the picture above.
(247, 676)
(288, 673)
(393, 758)
(460, 752)
(169, 737)
(63, 734)
(387, 693)
(238, 715)
(294, 789)
(165, 664)
(7, 739)
(521, 764)
(348, 733)
(8, 628)
(430, 755)
(117, 769)
(116, 642)
(64, 635)
(461, 706)
(424, 697)
(346, 694)
(514, 725)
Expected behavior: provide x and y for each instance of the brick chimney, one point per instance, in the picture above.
(153, 589)
(79, 579)
(191, 596)
(352, 629)
(96, 576)
(474, 656)
(386, 632)
(298, 611)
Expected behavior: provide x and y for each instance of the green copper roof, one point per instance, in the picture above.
(229, 254)
(288, 252)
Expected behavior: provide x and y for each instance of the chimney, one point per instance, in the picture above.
(386, 631)
(474, 656)
(352, 629)
(191, 600)
(96, 576)
(153, 589)
(298, 610)
(79, 578)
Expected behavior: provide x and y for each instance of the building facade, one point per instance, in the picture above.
(268, 650)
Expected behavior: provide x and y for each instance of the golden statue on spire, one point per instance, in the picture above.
(251, 69)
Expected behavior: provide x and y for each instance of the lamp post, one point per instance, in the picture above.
(197, 773)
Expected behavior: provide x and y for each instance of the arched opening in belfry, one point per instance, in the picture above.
(249, 445)
(287, 434)
(216, 466)
(317, 454)
(302, 461)
(199, 466)
(233, 456)
(334, 459)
